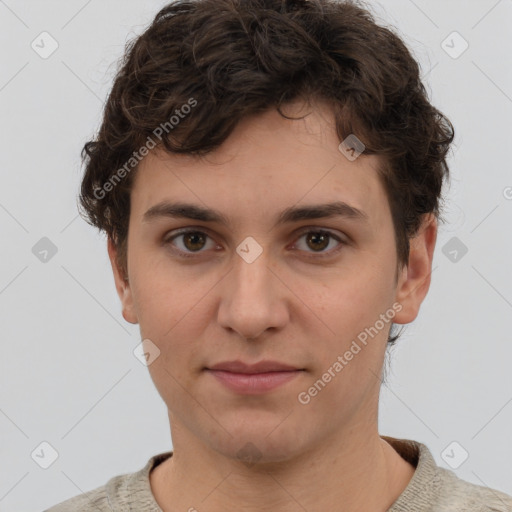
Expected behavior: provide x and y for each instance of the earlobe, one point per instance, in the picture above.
(414, 280)
(122, 285)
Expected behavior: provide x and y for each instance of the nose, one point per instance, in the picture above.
(253, 298)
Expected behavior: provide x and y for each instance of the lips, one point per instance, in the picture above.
(253, 379)
(260, 367)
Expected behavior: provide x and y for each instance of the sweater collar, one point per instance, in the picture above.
(421, 484)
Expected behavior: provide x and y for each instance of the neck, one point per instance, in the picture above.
(350, 473)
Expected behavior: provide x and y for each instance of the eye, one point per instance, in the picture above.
(192, 241)
(318, 240)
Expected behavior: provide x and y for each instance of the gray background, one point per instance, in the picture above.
(68, 373)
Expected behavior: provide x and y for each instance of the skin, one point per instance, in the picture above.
(290, 304)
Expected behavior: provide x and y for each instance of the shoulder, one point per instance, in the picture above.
(436, 489)
(456, 494)
(92, 500)
(120, 493)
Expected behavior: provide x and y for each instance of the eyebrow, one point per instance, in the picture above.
(291, 214)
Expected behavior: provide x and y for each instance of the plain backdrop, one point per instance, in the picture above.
(68, 374)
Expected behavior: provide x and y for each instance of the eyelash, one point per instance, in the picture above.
(169, 239)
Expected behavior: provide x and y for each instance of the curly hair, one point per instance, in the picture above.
(203, 65)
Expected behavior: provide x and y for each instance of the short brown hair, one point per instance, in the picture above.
(236, 58)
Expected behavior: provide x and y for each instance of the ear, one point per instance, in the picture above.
(122, 285)
(414, 280)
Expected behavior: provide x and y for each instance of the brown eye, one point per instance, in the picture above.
(194, 240)
(317, 241)
(188, 242)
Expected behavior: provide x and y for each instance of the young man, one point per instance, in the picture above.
(269, 174)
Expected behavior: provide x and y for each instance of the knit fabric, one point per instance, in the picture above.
(431, 489)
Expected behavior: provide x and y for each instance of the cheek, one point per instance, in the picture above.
(348, 302)
(351, 353)
(162, 295)
(174, 310)
(173, 318)
(353, 348)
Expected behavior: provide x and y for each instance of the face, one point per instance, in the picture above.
(269, 277)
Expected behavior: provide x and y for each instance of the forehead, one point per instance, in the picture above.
(268, 164)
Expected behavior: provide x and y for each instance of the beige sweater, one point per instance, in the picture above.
(431, 489)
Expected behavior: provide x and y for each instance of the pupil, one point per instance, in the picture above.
(315, 237)
(193, 236)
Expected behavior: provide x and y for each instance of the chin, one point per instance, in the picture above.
(259, 446)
